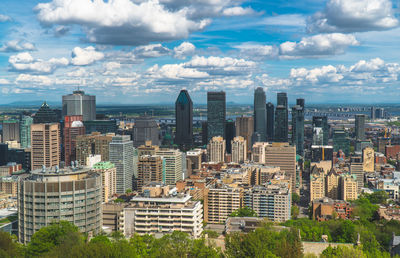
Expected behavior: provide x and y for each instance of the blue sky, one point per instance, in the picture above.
(145, 51)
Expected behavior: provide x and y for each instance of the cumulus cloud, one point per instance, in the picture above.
(121, 22)
(238, 11)
(183, 50)
(258, 52)
(323, 74)
(4, 81)
(33, 79)
(17, 46)
(149, 51)
(353, 16)
(317, 46)
(24, 62)
(85, 56)
(175, 72)
(4, 18)
(221, 65)
(60, 31)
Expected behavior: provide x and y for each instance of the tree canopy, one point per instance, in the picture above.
(244, 212)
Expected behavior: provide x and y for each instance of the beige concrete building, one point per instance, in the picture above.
(258, 154)
(173, 165)
(357, 169)
(245, 128)
(150, 169)
(348, 186)
(368, 159)
(317, 184)
(108, 173)
(93, 144)
(325, 165)
(45, 142)
(220, 201)
(147, 149)
(239, 149)
(332, 185)
(216, 150)
(9, 185)
(284, 156)
(113, 216)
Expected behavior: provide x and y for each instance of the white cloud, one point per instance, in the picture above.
(80, 72)
(325, 74)
(149, 51)
(85, 56)
(221, 65)
(60, 31)
(256, 51)
(109, 66)
(4, 18)
(368, 66)
(121, 22)
(26, 63)
(175, 72)
(33, 79)
(238, 11)
(295, 20)
(317, 46)
(17, 46)
(183, 50)
(353, 16)
(4, 81)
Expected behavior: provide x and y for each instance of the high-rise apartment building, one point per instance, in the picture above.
(298, 127)
(79, 104)
(245, 128)
(108, 173)
(25, 131)
(10, 131)
(150, 169)
(216, 150)
(184, 119)
(348, 187)
(320, 130)
(145, 129)
(281, 129)
(45, 115)
(357, 170)
(174, 165)
(317, 184)
(360, 127)
(284, 156)
(260, 113)
(272, 201)
(71, 194)
(239, 149)
(270, 121)
(216, 114)
(45, 142)
(332, 181)
(368, 159)
(93, 144)
(258, 153)
(220, 201)
(121, 155)
(73, 127)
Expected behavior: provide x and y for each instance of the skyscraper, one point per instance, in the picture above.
(146, 129)
(298, 126)
(230, 132)
(173, 165)
(79, 104)
(73, 127)
(151, 168)
(216, 114)
(121, 155)
(45, 143)
(281, 118)
(10, 130)
(45, 115)
(320, 130)
(360, 127)
(260, 113)
(245, 128)
(341, 141)
(270, 121)
(184, 119)
(93, 144)
(239, 149)
(25, 131)
(216, 150)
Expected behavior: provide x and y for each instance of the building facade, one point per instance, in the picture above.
(25, 131)
(108, 173)
(216, 114)
(184, 119)
(73, 127)
(216, 150)
(175, 164)
(79, 104)
(93, 144)
(281, 129)
(45, 142)
(239, 150)
(145, 129)
(150, 169)
(245, 128)
(220, 202)
(260, 113)
(298, 127)
(270, 121)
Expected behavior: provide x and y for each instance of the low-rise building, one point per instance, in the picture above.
(327, 208)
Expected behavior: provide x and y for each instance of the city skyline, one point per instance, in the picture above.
(50, 48)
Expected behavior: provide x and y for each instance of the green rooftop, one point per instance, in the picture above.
(104, 165)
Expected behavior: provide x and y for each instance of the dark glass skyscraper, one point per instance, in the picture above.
(45, 115)
(270, 121)
(216, 113)
(360, 127)
(230, 132)
(341, 141)
(260, 113)
(281, 118)
(298, 126)
(320, 125)
(184, 119)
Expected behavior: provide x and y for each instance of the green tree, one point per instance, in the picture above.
(244, 212)
(378, 197)
(295, 211)
(342, 252)
(295, 198)
(8, 247)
